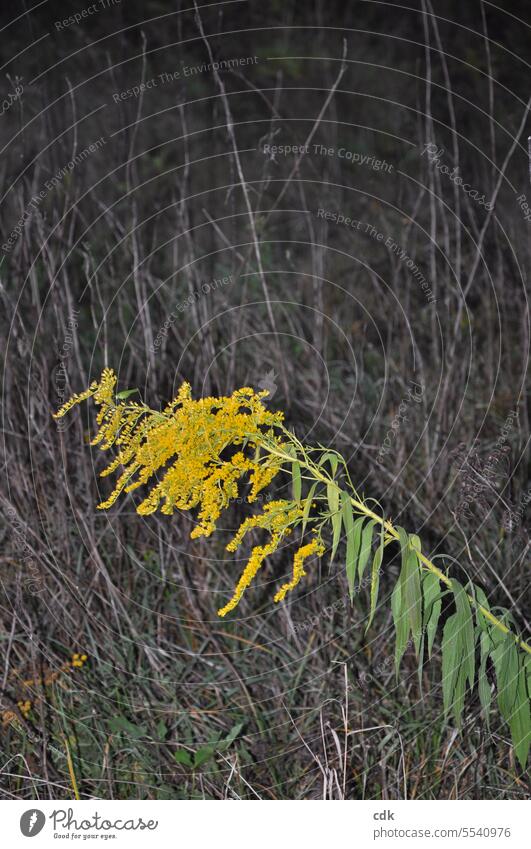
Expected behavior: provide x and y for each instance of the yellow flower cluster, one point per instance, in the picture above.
(258, 555)
(36, 687)
(279, 527)
(194, 454)
(316, 546)
(183, 447)
(277, 517)
(24, 707)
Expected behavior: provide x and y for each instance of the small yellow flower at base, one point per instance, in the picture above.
(24, 707)
(314, 547)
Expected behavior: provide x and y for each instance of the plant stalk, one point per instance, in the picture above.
(362, 508)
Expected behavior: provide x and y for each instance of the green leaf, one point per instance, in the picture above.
(183, 757)
(450, 660)
(365, 547)
(375, 575)
(431, 589)
(308, 506)
(233, 733)
(230, 738)
(505, 657)
(296, 480)
(484, 688)
(120, 723)
(331, 458)
(458, 698)
(351, 554)
(481, 599)
(332, 493)
(204, 754)
(403, 542)
(401, 622)
(125, 393)
(412, 593)
(162, 730)
(356, 543)
(520, 720)
(414, 542)
(466, 631)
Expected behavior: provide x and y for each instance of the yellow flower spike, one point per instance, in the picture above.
(277, 515)
(105, 388)
(314, 547)
(258, 555)
(75, 399)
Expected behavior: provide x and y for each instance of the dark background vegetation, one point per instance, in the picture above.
(289, 701)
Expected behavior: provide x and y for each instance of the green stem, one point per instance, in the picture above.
(317, 474)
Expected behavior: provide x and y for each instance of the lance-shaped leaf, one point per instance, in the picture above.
(308, 506)
(398, 603)
(431, 589)
(466, 631)
(450, 660)
(505, 659)
(458, 697)
(332, 459)
(356, 533)
(412, 590)
(296, 480)
(484, 688)
(375, 574)
(481, 599)
(332, 493)
(401, 622)
(365, 547)
(353, 535)
(520, 720)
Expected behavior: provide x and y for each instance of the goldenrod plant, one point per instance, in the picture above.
(196, 454)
